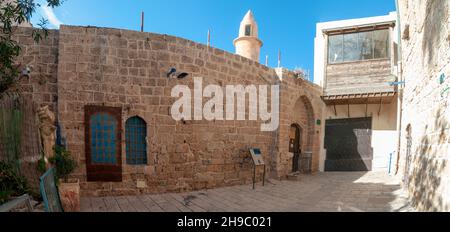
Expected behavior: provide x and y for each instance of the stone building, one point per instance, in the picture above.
(424, 153)
(111, 92)
(355, 63)
(381, 99)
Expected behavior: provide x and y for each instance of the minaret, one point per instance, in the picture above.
(247, 44)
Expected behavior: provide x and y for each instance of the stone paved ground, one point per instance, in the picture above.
(336, 192)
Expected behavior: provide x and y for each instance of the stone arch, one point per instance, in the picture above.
(299, 112)
(304, 117)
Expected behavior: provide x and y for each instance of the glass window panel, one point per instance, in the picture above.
(381, 44)
(335, 45)
(352, 51)
(365, 39)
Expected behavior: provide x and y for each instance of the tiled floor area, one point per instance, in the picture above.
(322, 192)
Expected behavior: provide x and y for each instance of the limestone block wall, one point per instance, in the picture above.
(42, 59)
(426, 115)
(127, 69)
(300, 104)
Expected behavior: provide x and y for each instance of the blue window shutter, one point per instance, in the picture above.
(103, 146)
(135, 139)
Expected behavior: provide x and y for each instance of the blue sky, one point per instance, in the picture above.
(288, 25)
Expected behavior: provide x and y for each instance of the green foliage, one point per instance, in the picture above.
(41, 165)
(64, 163)
(11, 184)
(12, 14)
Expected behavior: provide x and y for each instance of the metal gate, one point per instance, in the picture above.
(348, 144)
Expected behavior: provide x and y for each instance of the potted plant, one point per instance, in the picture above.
(69, 189)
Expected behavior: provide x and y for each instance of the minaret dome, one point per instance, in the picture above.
(248, 44)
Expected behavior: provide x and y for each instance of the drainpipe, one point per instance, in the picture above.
(400, 87)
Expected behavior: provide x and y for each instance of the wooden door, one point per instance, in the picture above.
(295, 146)
(103, 126)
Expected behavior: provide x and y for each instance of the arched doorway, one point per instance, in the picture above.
(295, 145)
(302, 137)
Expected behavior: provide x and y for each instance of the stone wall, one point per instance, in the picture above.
(300, 104)
(426, 56)
(127, 69)
(32, 91)
(42, 59)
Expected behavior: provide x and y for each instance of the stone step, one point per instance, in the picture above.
(296, 176)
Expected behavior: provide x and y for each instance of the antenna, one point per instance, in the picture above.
(142, 21)
(209, 38)
(279, 58)
(267, 60)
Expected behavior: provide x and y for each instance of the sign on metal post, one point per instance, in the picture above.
(257, 161)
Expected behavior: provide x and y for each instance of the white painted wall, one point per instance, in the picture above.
(320, 41)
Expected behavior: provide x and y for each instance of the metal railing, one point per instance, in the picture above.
(49, 192)
(16, 203)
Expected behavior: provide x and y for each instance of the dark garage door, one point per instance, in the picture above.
(348, 144)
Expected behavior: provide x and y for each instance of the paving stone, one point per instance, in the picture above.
(324, 192)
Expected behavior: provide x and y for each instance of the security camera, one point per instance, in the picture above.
(171, 72)
(174, 74)
(26, 71)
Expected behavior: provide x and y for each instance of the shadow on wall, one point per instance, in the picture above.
(433, 27)
(428, 169)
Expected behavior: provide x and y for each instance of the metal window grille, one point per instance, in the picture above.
(103, 146)
(135, 138)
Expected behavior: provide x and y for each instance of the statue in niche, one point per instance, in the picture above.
(47, 130)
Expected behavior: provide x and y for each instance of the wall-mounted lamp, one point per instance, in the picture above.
(174, 74)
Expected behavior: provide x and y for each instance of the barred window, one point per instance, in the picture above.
(135, 139)
(103, 135)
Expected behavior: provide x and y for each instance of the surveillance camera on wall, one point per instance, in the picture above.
(26, 71)
(178, 75)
